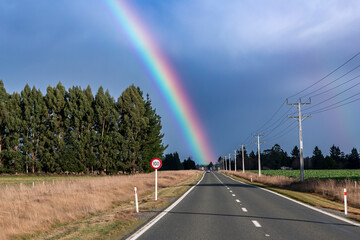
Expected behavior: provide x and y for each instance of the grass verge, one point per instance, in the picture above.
(118, 221)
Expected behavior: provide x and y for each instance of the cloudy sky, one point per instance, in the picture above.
(238, 61)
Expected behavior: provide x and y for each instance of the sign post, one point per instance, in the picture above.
(156, 164)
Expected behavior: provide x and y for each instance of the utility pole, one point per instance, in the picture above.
(235, 159)
(243, 162)
(258, 143)
(225, 164)
(300, 117)
(229, 162)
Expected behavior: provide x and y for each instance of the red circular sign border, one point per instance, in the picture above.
(154, 160)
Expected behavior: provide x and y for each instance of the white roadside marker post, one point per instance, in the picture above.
(136, 200)
(345, 202)
(156, 164)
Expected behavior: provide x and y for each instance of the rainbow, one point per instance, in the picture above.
(165, 78)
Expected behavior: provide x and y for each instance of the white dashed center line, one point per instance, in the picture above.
(233, 195)
(237, 200)
(245, 210)
(230, 191)
(256, 223)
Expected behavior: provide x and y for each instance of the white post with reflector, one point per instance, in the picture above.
(345, 202)
(156, 164)
(136, 200)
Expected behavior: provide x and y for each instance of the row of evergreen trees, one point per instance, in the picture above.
(77, 132)
(172, 162)
(275, 158)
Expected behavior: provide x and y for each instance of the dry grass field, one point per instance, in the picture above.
(26, 209)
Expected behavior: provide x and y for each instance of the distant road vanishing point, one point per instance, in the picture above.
(222, 208)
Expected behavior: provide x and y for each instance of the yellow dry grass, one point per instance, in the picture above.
(26, 209)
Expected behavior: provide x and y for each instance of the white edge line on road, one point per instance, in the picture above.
(303, 204)
(256, 223)
(139, 232)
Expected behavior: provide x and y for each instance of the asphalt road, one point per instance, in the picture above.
(221, 208)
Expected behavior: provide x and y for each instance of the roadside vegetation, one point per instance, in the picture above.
(276, 158)
(73, 131)
(326, 173)
(29, 210)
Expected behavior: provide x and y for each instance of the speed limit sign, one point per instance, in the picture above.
(156, 163)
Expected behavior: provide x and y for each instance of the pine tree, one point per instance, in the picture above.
(353, 159)
(338, 157)
(133, 125)
(295, 153)
(172, 162)
(80, 124)
(189, 164)
(14, 132)
(55, 100)
(318, 158)
(295, 158)
(105, 126)
(152, 145)
(34, 117)
(73, 131)
(3, 114)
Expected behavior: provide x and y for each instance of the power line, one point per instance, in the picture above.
(280, 123)
(333, 96)
(336, 86)
(279, 133)
(357, 54)
(271, 116)
(331, 83)
(327, 108)
(273, 123)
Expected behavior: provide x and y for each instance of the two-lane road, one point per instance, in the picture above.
(221, 208)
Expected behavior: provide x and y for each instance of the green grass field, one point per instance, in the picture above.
(334, 174)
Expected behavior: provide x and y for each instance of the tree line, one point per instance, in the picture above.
(277, 158)
(74, 131)
(172, 162)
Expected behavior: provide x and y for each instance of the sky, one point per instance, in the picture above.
(237, 60)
